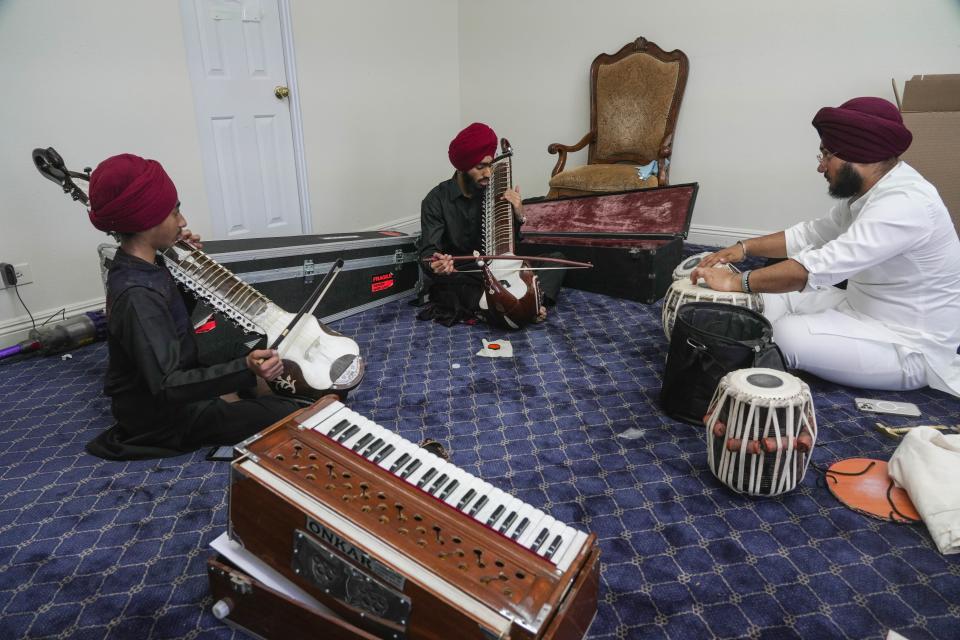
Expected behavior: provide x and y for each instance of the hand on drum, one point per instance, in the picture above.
(442, 264)
(265, 363)
(716, 279)
(730, 255)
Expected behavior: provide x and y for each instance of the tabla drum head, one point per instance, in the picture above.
(687, 265)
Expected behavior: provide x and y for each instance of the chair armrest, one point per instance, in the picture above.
(666, 150)
(563, 150)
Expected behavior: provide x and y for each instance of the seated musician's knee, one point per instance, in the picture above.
(791, 334)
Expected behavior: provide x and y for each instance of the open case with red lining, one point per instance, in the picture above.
(634, 239)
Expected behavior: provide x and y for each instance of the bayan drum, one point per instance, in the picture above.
(760, 431)
(684, 291)
(686, 267)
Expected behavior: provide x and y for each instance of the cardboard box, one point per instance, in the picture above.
(931, 110)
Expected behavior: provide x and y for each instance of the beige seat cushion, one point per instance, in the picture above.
(601, 178)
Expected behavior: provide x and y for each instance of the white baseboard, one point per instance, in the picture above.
(410, 225)
(18, 329)
(720, 236)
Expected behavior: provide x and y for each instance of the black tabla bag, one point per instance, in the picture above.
(710, 340)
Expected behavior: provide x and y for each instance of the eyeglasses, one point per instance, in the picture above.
(824, 155)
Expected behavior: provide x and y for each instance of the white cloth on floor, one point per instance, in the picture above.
(927, 466)
(496, 349)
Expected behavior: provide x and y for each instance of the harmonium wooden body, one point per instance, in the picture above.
(634, 239)
(399, 543)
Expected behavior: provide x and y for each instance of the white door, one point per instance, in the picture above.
(235, 52)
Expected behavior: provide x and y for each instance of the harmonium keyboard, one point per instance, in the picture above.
(401, 543)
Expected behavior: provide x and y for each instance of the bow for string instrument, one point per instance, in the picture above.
(316, 359)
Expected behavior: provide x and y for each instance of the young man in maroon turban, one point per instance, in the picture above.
(897, 324)
(164, 400)
(450, 224)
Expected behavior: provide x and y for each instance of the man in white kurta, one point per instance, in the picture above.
(897, 324)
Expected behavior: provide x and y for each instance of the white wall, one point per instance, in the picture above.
(758, 73)
(380, 94)
(92, 79)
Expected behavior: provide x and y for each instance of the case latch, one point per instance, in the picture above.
(308, 270)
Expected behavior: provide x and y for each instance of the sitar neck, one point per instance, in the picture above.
(217, 285)
(498, 219)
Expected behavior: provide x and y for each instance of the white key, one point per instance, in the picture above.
(314, 421)
(535, 524)
(466, 485)
(496, 499)
(527, 513)
(567, 555)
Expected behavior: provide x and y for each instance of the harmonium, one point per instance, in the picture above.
(392, 541)
(634, 239)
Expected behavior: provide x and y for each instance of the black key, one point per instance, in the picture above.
(359, 444)
(439, 483)
(552, 549)
(520, 528)
(465, 500)
(387, 450)
(495, 515)
(349, 433)
(413, 466)
(402, 460)
(509, 521)
(450, 487)
(478, 505)
(343, 424)
(425, 478)
(541, 538)
(372, 449)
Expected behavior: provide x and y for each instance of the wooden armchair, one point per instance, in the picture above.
(635, 97)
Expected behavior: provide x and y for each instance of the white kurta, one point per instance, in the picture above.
(899, 252)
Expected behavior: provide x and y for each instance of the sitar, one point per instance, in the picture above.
(316, 359)
(511, 291)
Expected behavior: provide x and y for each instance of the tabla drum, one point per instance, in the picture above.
(684, 291)
(686, 267)
(760, 431)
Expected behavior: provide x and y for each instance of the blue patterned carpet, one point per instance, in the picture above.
(95, 549)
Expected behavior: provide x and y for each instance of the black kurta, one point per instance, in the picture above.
(451, 222)
(164, 401)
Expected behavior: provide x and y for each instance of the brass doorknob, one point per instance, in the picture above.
(281, 92)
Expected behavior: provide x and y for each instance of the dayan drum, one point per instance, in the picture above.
(760, 431)
(683, 291)
(686, 267)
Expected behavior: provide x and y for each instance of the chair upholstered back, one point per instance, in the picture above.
(633, 98)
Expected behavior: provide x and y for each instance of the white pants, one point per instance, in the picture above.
(838, 356)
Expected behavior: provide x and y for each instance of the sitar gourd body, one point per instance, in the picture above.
(316, 359)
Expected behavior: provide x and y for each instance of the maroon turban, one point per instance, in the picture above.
(471, 146)
(863, 130)
(129, 194)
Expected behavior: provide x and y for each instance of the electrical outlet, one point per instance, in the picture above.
(24, 275)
